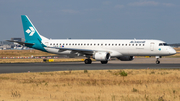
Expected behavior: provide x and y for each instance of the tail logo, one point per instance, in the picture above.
(30, 31)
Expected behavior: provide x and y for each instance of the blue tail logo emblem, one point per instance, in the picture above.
(30, 31)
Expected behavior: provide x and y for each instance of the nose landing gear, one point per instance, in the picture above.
(157, 59)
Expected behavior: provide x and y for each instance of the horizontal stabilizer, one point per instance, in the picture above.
(21, 43)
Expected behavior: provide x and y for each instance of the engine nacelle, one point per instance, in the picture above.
(126, 58)
(101, 56)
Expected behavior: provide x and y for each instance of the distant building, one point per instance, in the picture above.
(18, 39)
(4, 47)
(6, 43)
(12, 45)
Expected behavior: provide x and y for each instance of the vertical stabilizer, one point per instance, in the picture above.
(31, 34)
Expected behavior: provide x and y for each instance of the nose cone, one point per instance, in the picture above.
(172, 51)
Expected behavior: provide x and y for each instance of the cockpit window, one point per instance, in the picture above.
(163, 44)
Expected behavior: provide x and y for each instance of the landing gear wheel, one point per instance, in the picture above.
(104, 62)
(157, 59)
(87, 61)
(157, 62)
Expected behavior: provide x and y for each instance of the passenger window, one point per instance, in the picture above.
(132, 44)
(129, 44)
(119, 44)
(139, 44)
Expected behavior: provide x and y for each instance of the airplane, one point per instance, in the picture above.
(99, 49)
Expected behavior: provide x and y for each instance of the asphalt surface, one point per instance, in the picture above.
(62, 66)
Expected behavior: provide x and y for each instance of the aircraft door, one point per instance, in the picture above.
(152, 46)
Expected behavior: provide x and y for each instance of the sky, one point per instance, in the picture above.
(93, 19)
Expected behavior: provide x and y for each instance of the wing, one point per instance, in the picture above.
(90, 51)
(84, 51)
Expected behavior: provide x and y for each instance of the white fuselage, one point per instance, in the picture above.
(114, 47)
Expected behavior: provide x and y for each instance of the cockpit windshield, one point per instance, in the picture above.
(163, 44)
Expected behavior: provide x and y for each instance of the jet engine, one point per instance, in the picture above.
(126, 58)
(101, 56)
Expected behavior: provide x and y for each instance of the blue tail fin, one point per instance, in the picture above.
(31, 34)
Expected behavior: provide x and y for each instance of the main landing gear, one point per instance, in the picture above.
(104, 62)
(157, 59)
(87, 61)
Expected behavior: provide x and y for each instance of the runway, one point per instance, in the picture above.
(62, 66)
